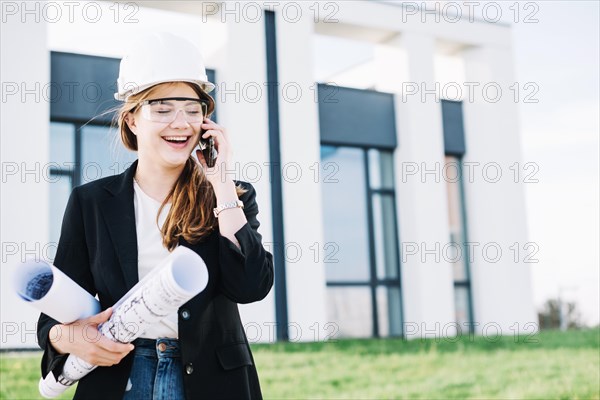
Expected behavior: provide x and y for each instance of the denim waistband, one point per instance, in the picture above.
(159, 348)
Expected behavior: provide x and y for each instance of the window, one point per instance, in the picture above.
(458, 239)
(359, 215)
(80, 154)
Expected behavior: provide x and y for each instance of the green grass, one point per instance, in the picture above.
(549, 365)
(20, 374)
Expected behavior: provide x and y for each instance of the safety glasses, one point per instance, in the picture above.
(165, 110)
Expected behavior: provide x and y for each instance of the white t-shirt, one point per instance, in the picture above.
(151, 251)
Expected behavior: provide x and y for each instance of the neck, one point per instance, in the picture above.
(156, 181)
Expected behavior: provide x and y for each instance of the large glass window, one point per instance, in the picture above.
(458, 239)
(388, 307)
(102, 153)
(345, 202)
(384, 229)
(80, 154)
(359, 215)
(351, 309)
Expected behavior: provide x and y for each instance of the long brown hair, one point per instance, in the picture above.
(192, 196)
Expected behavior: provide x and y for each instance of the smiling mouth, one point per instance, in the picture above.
(177, 139)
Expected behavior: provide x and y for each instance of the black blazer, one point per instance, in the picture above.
(98, 250)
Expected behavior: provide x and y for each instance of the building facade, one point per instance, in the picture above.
(385, 152)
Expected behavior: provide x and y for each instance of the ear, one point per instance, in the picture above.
(131, 123)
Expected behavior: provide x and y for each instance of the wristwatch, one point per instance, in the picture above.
(225, 206)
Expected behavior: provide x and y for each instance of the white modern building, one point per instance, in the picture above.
(382, 139)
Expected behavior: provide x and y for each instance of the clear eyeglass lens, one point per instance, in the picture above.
(167, 111)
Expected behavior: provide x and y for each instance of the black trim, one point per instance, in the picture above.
(212, 77)
(351, 116)
(398, 264)
(281, 312)
(326, 142)
(61, 172)
(453, 128)
(78, 143)
(383, 191)
(463, 206)
(372, 260)
(463, 283)
(83, 86)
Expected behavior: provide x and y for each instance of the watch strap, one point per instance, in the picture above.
(226, 206)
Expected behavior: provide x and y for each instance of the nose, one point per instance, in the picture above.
(179, 121)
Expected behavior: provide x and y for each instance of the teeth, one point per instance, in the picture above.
(176, 138)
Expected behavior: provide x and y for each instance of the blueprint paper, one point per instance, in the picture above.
(48, 289)
(181, 276)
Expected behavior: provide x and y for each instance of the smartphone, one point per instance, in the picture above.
(208, 149)
(207, 145)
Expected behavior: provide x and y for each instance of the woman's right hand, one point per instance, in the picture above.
(82, 338)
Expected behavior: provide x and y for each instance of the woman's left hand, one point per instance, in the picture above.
(218, 173)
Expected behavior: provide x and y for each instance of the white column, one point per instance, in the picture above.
(427, 283)
(496, 218)
(300, 157)
(242, 110)
(24, 146)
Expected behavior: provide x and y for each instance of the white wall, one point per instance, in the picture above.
(243, 112)
(496, 219)
(300, 156)
(24, 144)
(421, 199)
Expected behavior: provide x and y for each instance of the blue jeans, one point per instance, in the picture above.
(157, 372)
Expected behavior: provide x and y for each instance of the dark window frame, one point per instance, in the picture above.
(455, 146)
(374, 282)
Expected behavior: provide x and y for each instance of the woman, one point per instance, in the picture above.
(116, 229)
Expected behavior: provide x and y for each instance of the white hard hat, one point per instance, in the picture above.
(158, 58)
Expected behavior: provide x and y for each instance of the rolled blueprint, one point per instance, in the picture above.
(52, 292)
(181, 276)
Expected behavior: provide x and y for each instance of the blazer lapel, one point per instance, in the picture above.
(119, 213)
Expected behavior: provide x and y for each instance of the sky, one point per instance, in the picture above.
(561, 135)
